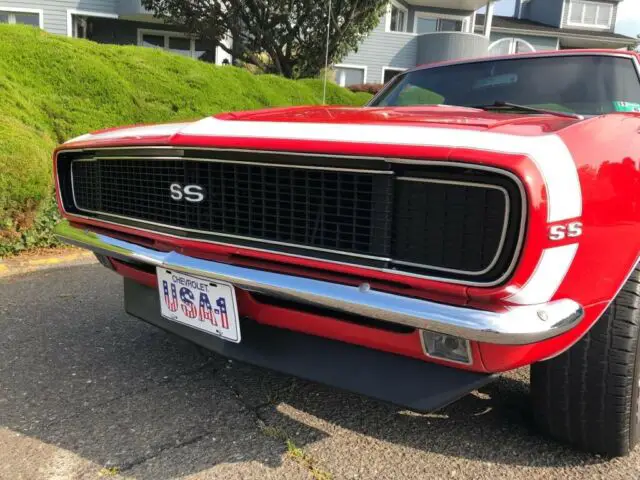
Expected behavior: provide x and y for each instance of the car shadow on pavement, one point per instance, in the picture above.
(493, 425)
(83, 376)
(231, 412)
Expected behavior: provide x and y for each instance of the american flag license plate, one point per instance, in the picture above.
(199, 303)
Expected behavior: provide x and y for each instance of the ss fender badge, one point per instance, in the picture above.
(568, 230)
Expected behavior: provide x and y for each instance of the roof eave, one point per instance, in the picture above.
(559, 33)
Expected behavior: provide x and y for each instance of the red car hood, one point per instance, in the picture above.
(249, 123)
(420, 115)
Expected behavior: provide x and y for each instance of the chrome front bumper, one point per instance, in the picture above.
(519, 325)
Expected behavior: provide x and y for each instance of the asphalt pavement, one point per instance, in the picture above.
(88, 392)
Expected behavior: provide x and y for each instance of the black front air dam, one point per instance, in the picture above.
(404, 381)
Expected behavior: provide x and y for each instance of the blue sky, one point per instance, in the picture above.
(628, 15)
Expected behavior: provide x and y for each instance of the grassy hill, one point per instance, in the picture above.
(53, 88)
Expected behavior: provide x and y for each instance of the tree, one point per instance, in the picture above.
(287, 37)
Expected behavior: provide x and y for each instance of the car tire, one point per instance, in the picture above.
(588, 395)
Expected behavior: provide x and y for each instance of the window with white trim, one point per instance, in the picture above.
(397, 16)
(389, 72)
(430, 23)
(350, 74)
(175, 42)
(24, 18)
(590, 14)
(507, 46)
(79, 26)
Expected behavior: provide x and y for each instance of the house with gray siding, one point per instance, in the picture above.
(414, 32)
(410, 32)
(537, 24)
(122, 22)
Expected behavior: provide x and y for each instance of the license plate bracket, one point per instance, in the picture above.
(200, 303)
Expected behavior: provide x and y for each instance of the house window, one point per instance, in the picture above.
(79, 26)
(389, 72)
(397, 17)
(80, 23)
(175, 42)
(350, 74)
(590, 14)
(33, 18)
(427, 23)
(508, 46)
(181, 46)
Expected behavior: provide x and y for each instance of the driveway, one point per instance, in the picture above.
(89, 392)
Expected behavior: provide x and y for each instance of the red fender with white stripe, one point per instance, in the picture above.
(592, 267)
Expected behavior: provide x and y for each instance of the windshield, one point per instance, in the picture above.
(582, 84)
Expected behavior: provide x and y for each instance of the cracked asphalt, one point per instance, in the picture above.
(89, 392)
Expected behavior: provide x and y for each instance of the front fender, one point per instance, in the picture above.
(592, 267)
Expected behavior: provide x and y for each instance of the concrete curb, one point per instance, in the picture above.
(65, 258)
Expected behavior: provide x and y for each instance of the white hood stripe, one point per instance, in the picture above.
(548, 152)
(134, 132)
(547, 277)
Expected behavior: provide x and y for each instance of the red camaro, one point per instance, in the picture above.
(475, 217)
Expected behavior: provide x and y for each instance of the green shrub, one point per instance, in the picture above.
(362, 97)
(371, 88)
(419, 96)
(53, 88)
(39, 234)
(25, 165)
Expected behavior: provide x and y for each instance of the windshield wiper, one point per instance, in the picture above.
(500, 105)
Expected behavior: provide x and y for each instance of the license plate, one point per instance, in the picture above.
(199, 303)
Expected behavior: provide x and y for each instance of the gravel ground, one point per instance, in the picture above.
(88, 392)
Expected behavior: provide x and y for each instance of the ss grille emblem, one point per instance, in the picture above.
(190, 193)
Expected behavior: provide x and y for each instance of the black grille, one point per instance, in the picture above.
(328, 209)
(450, 225)
(451, 222)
